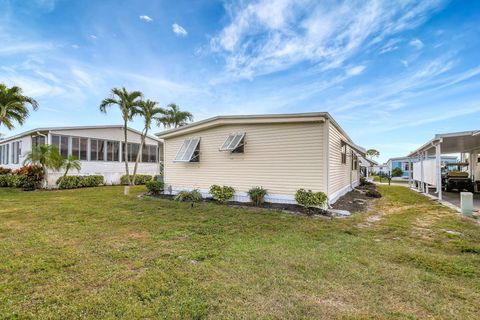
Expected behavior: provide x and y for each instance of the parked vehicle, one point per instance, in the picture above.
(454, 177)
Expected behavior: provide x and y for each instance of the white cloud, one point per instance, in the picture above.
(405, 63)
(146, 18)
(354, 71)
(273, 35)
(93, 37)
(179, 30)
(75, 46)
(18, 48)
(417, 43)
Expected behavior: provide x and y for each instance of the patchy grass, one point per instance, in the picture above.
(94, 253)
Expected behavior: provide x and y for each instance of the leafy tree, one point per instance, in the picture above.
(13, 106)
(372, 153)
(149, 111)
(174, 118)
(46, 156)
(71, 163)
(397, 172)
(127, 102)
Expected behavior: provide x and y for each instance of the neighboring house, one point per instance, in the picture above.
(380, 169)
(404, 164)
(281, 153)
(99, 149)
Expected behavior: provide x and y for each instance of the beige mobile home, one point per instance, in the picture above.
(281, 153)
(99, 149)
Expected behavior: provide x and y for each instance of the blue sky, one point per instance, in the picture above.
(392, 73)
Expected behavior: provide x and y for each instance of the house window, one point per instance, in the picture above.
(354, 161)
(407, 167)
(133, 149)
(16, 152)
(61, 142)
(344, 152)
(152, 153)
(233, 143)
(189, 151)
(149, 153)
(79, 148)
(113, 150)
(38, 140)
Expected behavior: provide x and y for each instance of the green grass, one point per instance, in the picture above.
(94, 253)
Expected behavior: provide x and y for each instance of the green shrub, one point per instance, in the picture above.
(4, 171)
(10, 181)
(30, 177)
(310, 199)
(139, 179)
(257, 195)
(189, 196)
(222, 194)
(373, 194)
(74, 182)
(154, 187)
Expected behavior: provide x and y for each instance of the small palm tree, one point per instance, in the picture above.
(149, 111)
(127, 102)
(13, 106)
(175, 118)
(47, 156)
(71, 163)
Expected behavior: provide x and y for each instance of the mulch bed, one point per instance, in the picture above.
(290, 208)
(356, 200)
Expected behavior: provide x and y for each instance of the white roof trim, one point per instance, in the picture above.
(29, 132)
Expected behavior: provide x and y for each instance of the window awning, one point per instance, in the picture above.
(232, 142)
(187, 150)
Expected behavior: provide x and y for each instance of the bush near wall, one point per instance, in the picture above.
(30, 177)
(4, 171)
(154, 187)
(10, 181)
(140, 179)
(74, 182)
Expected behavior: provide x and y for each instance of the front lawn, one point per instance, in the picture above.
(94, 253)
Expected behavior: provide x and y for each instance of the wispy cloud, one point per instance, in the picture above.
(417, 43)
(179, 30)
(93, 37)
(146, 18)
(268, 36)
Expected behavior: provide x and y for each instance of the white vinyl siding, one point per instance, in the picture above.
(279, 157)
(340, 174)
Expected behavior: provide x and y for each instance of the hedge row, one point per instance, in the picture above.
(139, 179)
(74, 182)
(11, 181)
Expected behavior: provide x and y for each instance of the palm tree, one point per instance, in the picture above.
(149, 111)
(47, 156)
(127, 102)
(175, 118)
(71, 163)
(13, 106)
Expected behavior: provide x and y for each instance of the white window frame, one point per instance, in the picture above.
(183, 151)
(229, 143)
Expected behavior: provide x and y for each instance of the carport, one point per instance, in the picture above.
(427, 173)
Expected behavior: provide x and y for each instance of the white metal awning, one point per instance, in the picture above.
(456, 142)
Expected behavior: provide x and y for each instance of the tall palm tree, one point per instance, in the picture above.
(71, 163)
(47, 156)
(174, 117)
(149, 111)
(13, 106)
(127, 102)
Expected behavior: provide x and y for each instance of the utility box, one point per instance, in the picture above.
(466, 203)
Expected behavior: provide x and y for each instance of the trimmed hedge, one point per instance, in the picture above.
(4, 171)
(308, 198)
(222, 193)
(139, 179)
(11, 181)
(155, 187)
(74, 182)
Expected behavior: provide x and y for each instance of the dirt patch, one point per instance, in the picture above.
(356, 200)
(285, 207)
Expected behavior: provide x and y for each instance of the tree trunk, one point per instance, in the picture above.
(142, 141)
(125, 152)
